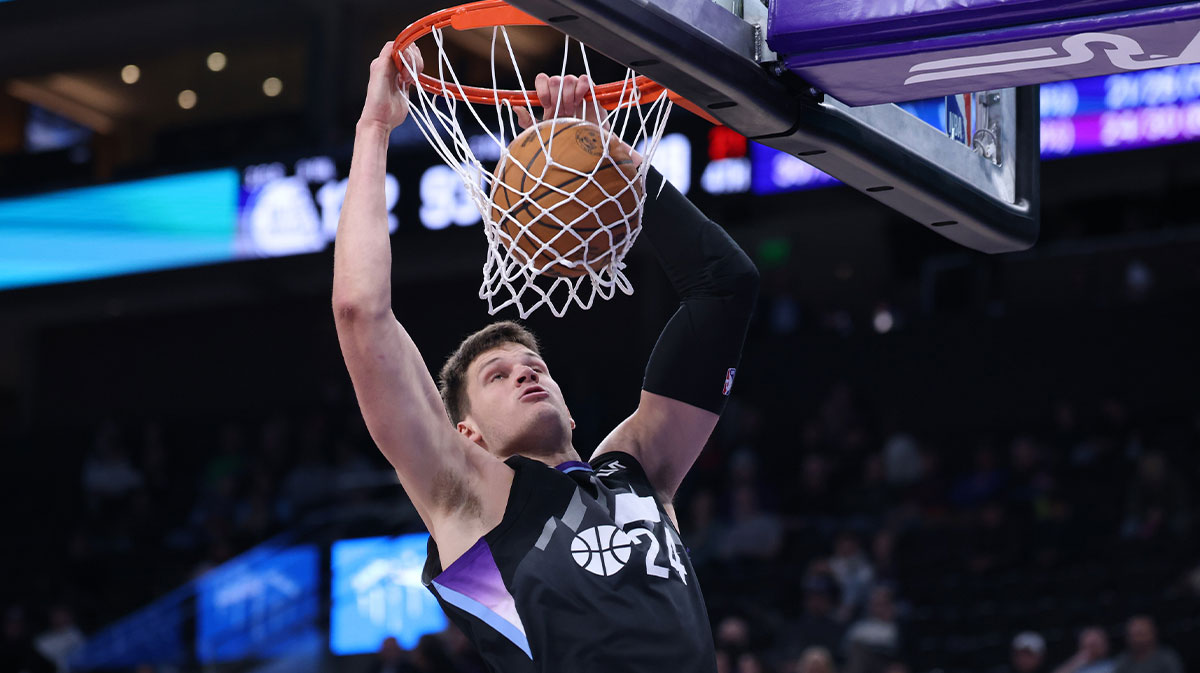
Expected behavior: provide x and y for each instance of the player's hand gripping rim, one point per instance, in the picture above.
(563, 96)
(568, 96)
(388, 87)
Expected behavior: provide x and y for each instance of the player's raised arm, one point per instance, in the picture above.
(691, 370)
(439, 469)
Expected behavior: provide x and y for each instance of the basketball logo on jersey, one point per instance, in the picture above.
(602, 550)
(729, 374)
(605, 549)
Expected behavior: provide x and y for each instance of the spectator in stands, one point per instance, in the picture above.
(752, 533)
(724, 661)
(993, 541)
(1190, 582)
(1092, 655)
(816, 628)
(902, 459)
(813, 499)
(874, 641)
(883, 556)
(705, 534)
(1158, 501)
(840, 413)
(814, 660)
(108, 474)
(1026, 478)
(742, 469)
(390, 658)
(931, 490)
(749, 662)
(733, 636)
(853, 572)
(430, 656)
(1143, 653)
(1028, 653)
(868, 501)
(983, 483)
(61, 640)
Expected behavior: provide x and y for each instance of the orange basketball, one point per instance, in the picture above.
(579, 206)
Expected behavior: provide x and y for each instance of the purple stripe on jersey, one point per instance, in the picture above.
(572, 465)
(475, 575)
(483, 614)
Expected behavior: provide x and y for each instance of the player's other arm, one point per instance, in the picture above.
(442, 472)
(684, 390)
(691, 368)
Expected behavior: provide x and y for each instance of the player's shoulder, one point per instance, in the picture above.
(624, 471)
(618, 464)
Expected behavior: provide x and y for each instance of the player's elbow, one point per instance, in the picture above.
(345, 312)
(737, 277)
(349, 310)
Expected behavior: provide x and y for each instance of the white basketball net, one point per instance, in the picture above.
(557, 271)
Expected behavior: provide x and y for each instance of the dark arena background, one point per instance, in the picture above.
(934, 459)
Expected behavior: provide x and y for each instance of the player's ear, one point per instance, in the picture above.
(570, 418)
(467, 428)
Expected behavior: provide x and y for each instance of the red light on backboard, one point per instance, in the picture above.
(725, 143)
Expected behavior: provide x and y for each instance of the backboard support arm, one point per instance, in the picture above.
(699, 49)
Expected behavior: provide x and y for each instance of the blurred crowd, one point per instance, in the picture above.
(828, 542)
(869, 552)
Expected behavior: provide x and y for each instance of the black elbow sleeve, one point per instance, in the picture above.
(697, 354)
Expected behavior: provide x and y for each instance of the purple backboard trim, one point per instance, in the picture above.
(1110, 22)
(1007, 57)
(814, 25)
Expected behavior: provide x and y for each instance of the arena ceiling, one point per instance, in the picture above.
(68, 56)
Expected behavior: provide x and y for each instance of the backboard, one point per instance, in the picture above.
(716, 55)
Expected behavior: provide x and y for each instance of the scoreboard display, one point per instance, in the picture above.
(290, 207)
(1119, 112)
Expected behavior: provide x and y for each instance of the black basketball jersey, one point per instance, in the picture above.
(585, 574)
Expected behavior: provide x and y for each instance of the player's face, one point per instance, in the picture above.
(515, 405)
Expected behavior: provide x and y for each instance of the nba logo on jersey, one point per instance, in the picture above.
(729, 374)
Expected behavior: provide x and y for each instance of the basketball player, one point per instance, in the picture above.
(546, 562)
